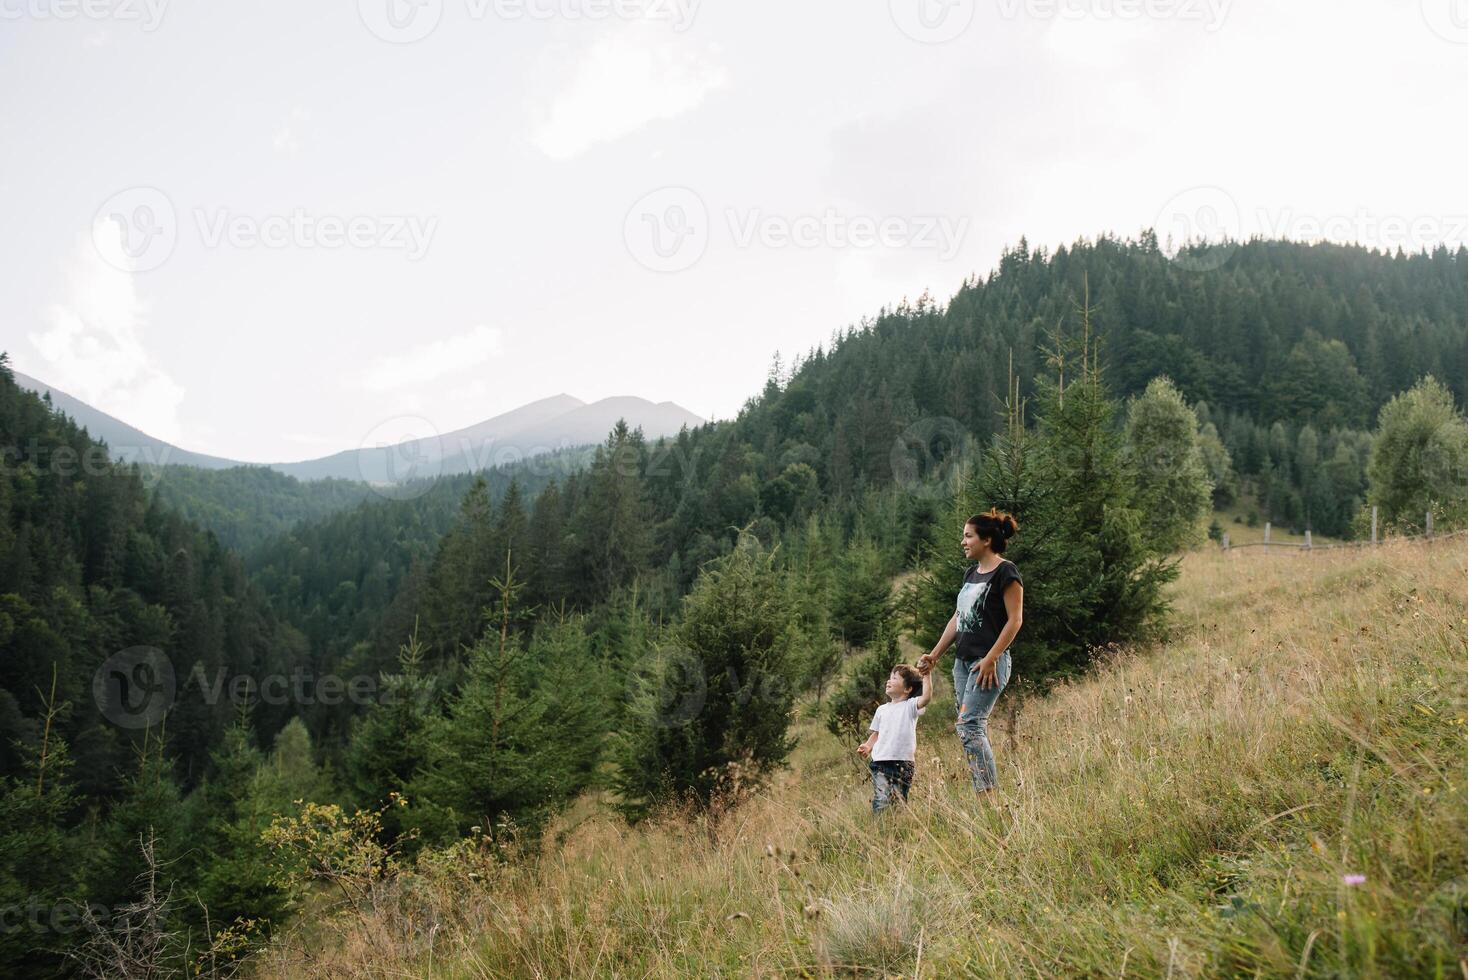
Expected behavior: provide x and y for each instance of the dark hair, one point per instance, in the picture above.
(995, 525)
(911, 678)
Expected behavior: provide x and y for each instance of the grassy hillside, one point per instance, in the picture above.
(1197, 808)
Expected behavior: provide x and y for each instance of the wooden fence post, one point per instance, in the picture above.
(1373, 524)
(1267, 526)
(1308, 544)
(1225, 540)
(1429, 524)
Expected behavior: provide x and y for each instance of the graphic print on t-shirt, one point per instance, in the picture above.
(971, 605)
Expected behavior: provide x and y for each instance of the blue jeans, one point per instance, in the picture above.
(974, 704)
(888, 780)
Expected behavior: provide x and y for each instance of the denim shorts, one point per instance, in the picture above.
(890, 778)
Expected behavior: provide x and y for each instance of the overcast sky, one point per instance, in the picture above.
(262, 229)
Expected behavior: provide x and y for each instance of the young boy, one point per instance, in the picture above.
(893, 742)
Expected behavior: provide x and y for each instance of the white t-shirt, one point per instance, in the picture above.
(896, 726)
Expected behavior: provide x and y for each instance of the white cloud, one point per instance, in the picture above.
(91, 346)
(434, 360)
(624, 82)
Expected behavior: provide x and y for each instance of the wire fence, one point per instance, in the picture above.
(1376, 538)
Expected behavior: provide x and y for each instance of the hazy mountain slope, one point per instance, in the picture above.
(124, 443)
(419, 459)
(547, 424)
(581, 426)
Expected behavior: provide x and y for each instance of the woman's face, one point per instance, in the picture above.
(974, 547)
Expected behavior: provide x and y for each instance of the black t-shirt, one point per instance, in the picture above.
(981, 611)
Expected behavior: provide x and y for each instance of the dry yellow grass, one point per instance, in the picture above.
(1196, 808)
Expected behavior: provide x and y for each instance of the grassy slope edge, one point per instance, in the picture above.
(1200, 807)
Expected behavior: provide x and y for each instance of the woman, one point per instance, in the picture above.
(990, 613)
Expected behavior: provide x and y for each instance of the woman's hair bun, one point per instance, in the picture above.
(995, 525)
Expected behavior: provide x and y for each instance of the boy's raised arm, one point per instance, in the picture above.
(927, 695)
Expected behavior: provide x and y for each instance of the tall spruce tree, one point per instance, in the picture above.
(711, 714)
(389, 742)
(520, 736)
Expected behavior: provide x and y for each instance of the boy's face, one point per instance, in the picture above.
(896, 687)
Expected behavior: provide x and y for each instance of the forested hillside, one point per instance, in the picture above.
(246, 506)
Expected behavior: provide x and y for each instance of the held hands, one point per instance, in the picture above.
(864, 750)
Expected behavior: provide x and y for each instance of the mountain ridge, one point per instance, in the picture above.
(546, 424)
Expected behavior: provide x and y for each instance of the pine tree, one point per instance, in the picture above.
(39, 857)
(149, 808)
(860, 596)
(231, 811)
(389, 742)
(710, 717)
(1162, 448)
(612, 521)
(519, 738)
(1096, 578)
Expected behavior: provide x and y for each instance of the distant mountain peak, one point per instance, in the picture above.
(546, 424)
